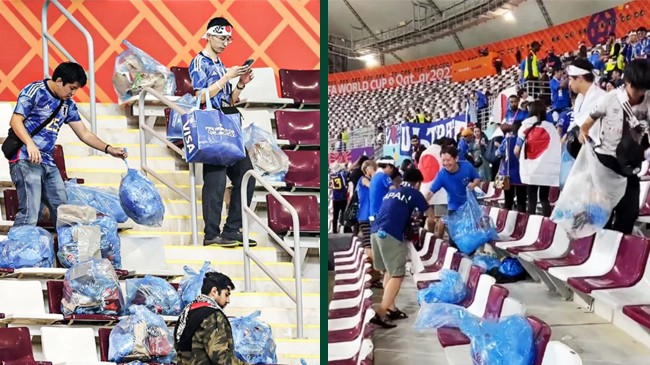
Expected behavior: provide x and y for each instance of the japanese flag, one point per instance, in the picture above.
(430, 164)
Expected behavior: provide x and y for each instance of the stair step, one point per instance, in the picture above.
(311, 317)
(257, 300)
(80, 162)
(114, 175)
(296, 346)
(216, 253)
(155, 149)
(234, 268)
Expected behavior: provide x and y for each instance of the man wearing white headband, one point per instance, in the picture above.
(207, 71)
(581, 81)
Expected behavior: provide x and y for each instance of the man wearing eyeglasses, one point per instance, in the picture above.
(207, 71)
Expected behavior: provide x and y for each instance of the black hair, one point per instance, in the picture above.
(642, 29)
(69, 73)
(413, 176)
(406, 164)
(585, 65)
(537, 109)
(513, 96)
(216, 280)
(450, 150)
(445, 141)
(415, 136)
(361, 160)
(637, 73)
(218, 21)
(520, 93)
(535, 44)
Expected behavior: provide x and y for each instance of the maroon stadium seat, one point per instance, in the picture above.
(303, 86)
(579, 252)
(544, 241)
(541, 336)
(500, 224)
(306, 206)
(304, 169)
(298, 127)
(16, 347)
(639, 313)
(183, 81)
(54, 297)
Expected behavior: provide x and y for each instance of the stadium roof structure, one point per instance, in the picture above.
(403, 30)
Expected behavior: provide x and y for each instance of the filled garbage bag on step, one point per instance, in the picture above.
(566, 165)
(92, 287)
(84, 234)
(27, 246)
(155, 293)
(142, 335)
(175, 125)
(190, 286)
(589, 195)
(105, 201)
(140, 199)
(508, 341)
(468, 227)
(509, 271)
(134, 69)
(213, 136)
(486, 262)
(253, 339)
(450, 289)
(436, 315)
(268, 159)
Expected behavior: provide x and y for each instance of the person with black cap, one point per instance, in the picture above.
(207, 71)
(389, 251)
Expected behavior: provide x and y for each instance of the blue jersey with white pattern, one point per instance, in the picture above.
(36, 102)
(204, 72)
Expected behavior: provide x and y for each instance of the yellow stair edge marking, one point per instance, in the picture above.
(199, 262)
(215, 247)
(155, 158)
(271, 294)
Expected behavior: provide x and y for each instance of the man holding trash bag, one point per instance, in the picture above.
(42, 108)
(207, 71)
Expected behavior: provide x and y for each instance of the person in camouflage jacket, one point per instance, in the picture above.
(203, 335)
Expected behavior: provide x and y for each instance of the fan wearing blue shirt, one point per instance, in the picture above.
(32, 167)
(388, 249)
(455, 178)
(381, 182)
(560, 95)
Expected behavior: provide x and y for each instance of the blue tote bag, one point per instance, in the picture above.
(213, 136)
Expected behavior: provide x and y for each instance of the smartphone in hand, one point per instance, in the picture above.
(248, 62)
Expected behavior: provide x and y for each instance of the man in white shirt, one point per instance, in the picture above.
(581, 81)
(628, 104)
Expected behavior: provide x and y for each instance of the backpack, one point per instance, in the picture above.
(491, 150)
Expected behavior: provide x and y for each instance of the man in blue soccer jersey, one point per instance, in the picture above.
(207, 71)
(32, 167)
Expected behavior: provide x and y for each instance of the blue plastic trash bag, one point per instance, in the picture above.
(436, 315)
(92, 287)
(450, 289)
(486, 262)
(478, 193)
(155, 293)
(589, 195)
(134, 69)
(83, 234)
(27, 246)
(190, 286)
(268, 159)
(213, 136)
(511, 267)
(143, 336)
(253, 339)
(468, 227)
(506, 342)
(565, 168)
(175, 126)
(106, 202)
(141, 200)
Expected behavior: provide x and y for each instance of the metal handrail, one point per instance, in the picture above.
(91, 55)
(143, 128)
(295, 252)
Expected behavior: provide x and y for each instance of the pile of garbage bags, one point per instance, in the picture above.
(268, 159)
(84, 234)
(190, 286)
(91, 287)
(486, 262)
(141, 200)
(468, 227)
(134, 70)
(253, 339)
(154, 293)
(141, 336)
(105, 201)
(450, 289)
(27, 246)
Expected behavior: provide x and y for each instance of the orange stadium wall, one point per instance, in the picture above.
(276, 33)
(563, 38)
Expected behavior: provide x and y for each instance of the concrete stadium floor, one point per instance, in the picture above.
(597, 341)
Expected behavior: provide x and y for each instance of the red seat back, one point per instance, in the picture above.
(304, 169)
(502, 217)
(546, 233)
(104, 334)
(554, 194)
(59, 160)
(495, 302)
(54, 296)
(520, 226)
(183, 81)
(15, 344)
(631, 259)
(472, 282)
(11, 208)
(541, 336)
(279, 219)
(485, 186)
(298, 127)
(303, 86)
